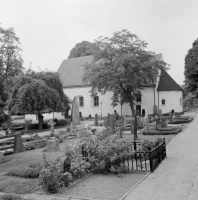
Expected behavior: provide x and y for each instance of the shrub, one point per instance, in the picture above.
(61, 122)
(161, 132)
(148, 145)
(180, 121)
(30, 146)
(31, 171)
(52, 177)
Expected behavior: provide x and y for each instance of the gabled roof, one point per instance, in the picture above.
(71, 70)
(166, 83)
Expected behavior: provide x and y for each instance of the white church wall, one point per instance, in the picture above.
(173, 101)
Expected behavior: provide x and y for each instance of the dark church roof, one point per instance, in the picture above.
(71, 73)
(166, 83)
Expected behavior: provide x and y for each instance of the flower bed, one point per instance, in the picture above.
(153, 132)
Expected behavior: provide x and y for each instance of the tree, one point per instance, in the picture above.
(191, 68)
(3, 100)
(11, 63)
(38, 93)
(84, 48)
(122, 66)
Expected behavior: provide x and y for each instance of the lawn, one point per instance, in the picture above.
(21, 185)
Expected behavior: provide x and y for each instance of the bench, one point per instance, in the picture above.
(18, 144)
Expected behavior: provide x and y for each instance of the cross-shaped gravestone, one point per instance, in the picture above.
(51, 123)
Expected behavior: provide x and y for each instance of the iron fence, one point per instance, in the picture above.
(140, 161)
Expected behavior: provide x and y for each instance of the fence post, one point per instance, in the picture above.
(164, 147)
(150, 160)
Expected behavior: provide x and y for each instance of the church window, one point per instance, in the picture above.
(163, 102)
(81, 101)
(96, 101)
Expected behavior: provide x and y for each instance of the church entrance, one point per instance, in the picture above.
(138, 110)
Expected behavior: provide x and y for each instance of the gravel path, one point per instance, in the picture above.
(105, 187)
(177, 176)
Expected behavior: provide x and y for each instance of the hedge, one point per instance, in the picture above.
(166, 129)
(161, 132)
(180, 122)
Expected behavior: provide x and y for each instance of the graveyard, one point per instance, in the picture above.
(93, 151)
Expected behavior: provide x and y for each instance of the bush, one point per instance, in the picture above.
(61, 122)
(180, 121)
(36, 126)
(31, 171)
(52, 177)
(148, 145)
(30, 146)
(161, 132)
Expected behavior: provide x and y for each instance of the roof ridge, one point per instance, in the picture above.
(167, 83)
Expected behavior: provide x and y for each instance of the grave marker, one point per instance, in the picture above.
(112, 122)
(96, 120)
(26, 125)
(75, 112)
(51, 123)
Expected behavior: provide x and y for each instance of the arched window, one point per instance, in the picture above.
(163, 102)
(143, 112)
(81, 101)
(96, 101)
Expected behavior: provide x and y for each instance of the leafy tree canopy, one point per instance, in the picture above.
(123, 66)
(10, 58)
(191, 68)
(38, 93)
(83, 48)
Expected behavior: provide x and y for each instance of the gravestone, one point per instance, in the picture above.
(75, 112)
(112, 122)
(53, 144)
(18, 144)
(26, 125)
(51, 123)
(96, 120)
(160, 112)
(170, 117)
(66, 165)
(120, 133)
(154, 109)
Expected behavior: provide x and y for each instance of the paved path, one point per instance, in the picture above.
(177, 176)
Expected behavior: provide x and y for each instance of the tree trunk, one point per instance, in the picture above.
(40, 120)
(135, 118)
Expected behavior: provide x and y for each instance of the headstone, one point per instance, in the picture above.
(112, 122)
(96, 120)
(120, 133)
(51, 123)
(160, 112)
(18, 144)
(170, 117)
(154, 109)
(75, 112)
(66, 165)
(26, 125)
(53, 145)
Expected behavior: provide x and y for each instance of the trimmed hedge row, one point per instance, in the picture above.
(166, 129)
(161, 132)
(180, 122)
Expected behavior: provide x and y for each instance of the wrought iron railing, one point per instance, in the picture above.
(141, 161)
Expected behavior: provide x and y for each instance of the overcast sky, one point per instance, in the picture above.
(49, 29)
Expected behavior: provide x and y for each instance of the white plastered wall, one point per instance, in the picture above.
(172, 101)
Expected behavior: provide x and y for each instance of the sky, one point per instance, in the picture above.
(49, 29)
